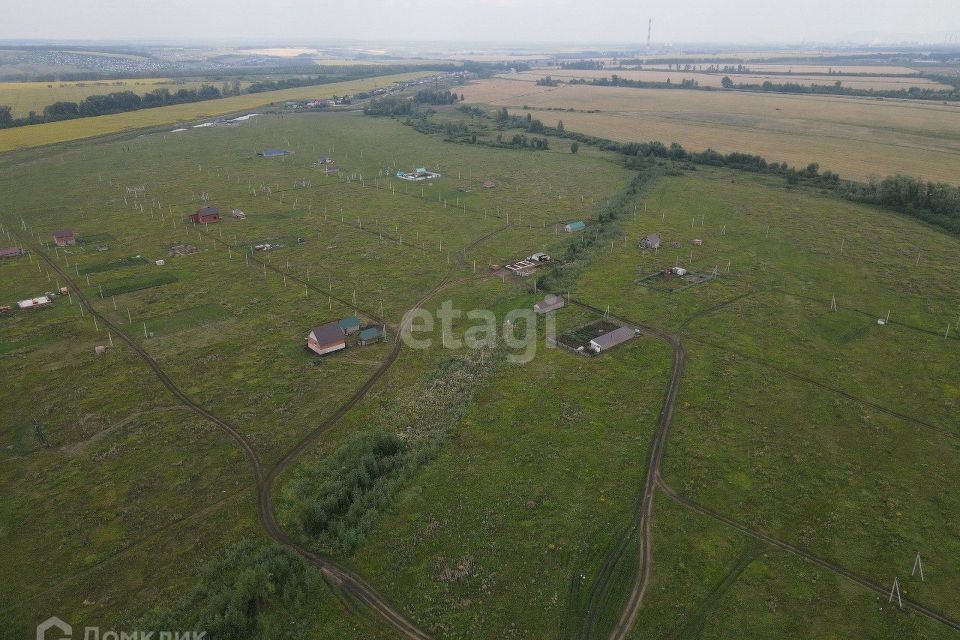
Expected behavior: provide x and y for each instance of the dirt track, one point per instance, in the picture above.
(357, 590)
(349, 584)
(644, 516)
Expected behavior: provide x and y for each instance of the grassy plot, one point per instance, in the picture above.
(557, 479)
(809, 424)
(226, 328)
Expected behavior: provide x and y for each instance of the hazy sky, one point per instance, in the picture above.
(477, 20)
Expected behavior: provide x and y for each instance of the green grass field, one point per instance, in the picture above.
(516, 482)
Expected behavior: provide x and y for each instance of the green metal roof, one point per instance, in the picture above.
(370, 334)
(352, 321)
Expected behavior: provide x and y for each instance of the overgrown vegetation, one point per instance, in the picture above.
(333, 504)
(136, 283)
(250, 590)
(390, 106)
(606, 227)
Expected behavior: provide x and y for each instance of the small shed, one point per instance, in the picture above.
(370, 335)
(33, 303)
(678, 271)
(697, 242)
(273, 153)
(576, 225)
(10, 252)
(325, 160)
(100, 349)
(611, 339)
(64, 237)
(326, 338)
(238, 214)
(350, 325)
(548, 304)
(206, 215)
(652, 241)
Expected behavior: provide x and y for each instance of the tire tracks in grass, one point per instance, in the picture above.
(641, 523)
(694, 626)
(345, 581)
(823, 563)
(350, 585)
(644, 515)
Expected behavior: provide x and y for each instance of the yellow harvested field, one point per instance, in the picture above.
(813, 68)
(67, 130)
(24, 97)
(856, 137)
(714, 79)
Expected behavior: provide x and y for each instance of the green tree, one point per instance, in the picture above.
(574, 147)
(6, 116)
(726, 83)
(560, 126)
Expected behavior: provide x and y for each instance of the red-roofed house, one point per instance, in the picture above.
(206, 215)
(63, 237)
(326, 338)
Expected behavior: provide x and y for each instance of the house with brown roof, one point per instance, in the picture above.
(326, 338)
(206, 215)
(64, 237)
(10, 252)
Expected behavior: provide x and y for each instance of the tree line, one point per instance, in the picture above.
(390, 106)
(116, 102)
(122, 101)
(619, 81)
(837, 88)
(937, 203)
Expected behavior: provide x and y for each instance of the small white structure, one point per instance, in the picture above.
(418, 174)
(612, 339)
(31, 303)
(539, 257)
(238, 214)
(160, 263)
(678, 271)
(550, 303)
(881, 321)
